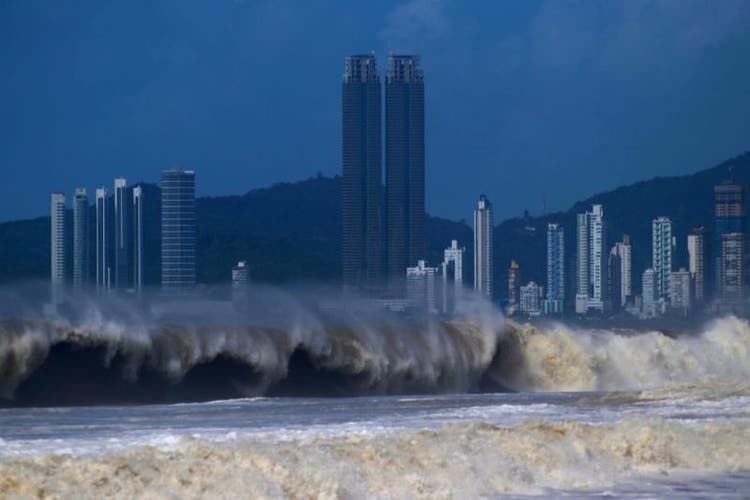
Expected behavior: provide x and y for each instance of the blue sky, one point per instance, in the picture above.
(525, 99)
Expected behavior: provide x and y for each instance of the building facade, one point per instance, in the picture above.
(662, 249)
(57, 234)
(80, 238)
(554, 304)
(681, 297)
(650, 301)
(730, 218)
(514, 285)
(138, 238)
(620, 278)
(122, 234)
(178, 231)
(530, 299)
(696, 244)
(591, 273)
(103, 268)
(404, 164)
(732, 274)
(483, 251)
(362, 235)
(453, 276)
(420, 287)
(240, 275)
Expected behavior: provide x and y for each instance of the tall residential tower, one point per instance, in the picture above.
(362, 236)
(483, 247)
(404, 164)
(178, 231)
(80, 238)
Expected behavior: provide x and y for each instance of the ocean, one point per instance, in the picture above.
(474, 408)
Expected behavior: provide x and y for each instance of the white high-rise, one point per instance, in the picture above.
(662, 248)
(483, 255)
(138, 238)
(453, 275)
(102, 257)
(591, 275)
(57, 250)
(420, 286)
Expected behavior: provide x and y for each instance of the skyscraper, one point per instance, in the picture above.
(662, 244)
(514, 285)
(650, 300)
(530, 299)
(681, 291)
(592, 271)
(620, 274)
(483, 251)
(420, 286)
(404, 164)
(730, 218)
(453, 276)
(697, 256)
(733, 283)
(103, 271)
(57, 249)
(138, 238)
(122, 234)
(80, 238)
(178, 231)
(555, 269)
(362, 236)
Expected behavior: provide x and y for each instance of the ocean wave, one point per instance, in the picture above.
(470, 459)
(98, 361)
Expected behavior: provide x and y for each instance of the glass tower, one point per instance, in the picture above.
(362, 242)
(178, 231)
(80, 238)
(404, 164)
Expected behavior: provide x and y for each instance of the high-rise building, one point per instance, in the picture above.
(122, 234)
(530, 299)
(732, 274)
(178, 231)
(453, 276)
(404, 164)
(420, 286)
(138, 238)
(696, 244)
(240, 275)
(362, 236)
(80, 238)
(57, 249)
(591, 273)
(730, 218)
(680, 294)
(620, 274)
(555, 269)
(483, 251)
(649, 298)
(662, 244)
(514, 284)
(103, 268)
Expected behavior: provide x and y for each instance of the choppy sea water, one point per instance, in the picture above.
(681, 442)
(594, 412)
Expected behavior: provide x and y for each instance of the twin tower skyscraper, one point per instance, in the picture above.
(382, 232)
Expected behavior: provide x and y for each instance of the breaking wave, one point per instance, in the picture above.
(467, 460)
(92, 359)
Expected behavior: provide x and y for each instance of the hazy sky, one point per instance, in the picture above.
(524, 98)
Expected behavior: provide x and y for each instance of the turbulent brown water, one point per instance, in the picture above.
(590, 411)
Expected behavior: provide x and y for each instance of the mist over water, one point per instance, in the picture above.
(597, 411)
(311, 342)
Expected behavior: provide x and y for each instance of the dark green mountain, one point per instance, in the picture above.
(290, 232)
